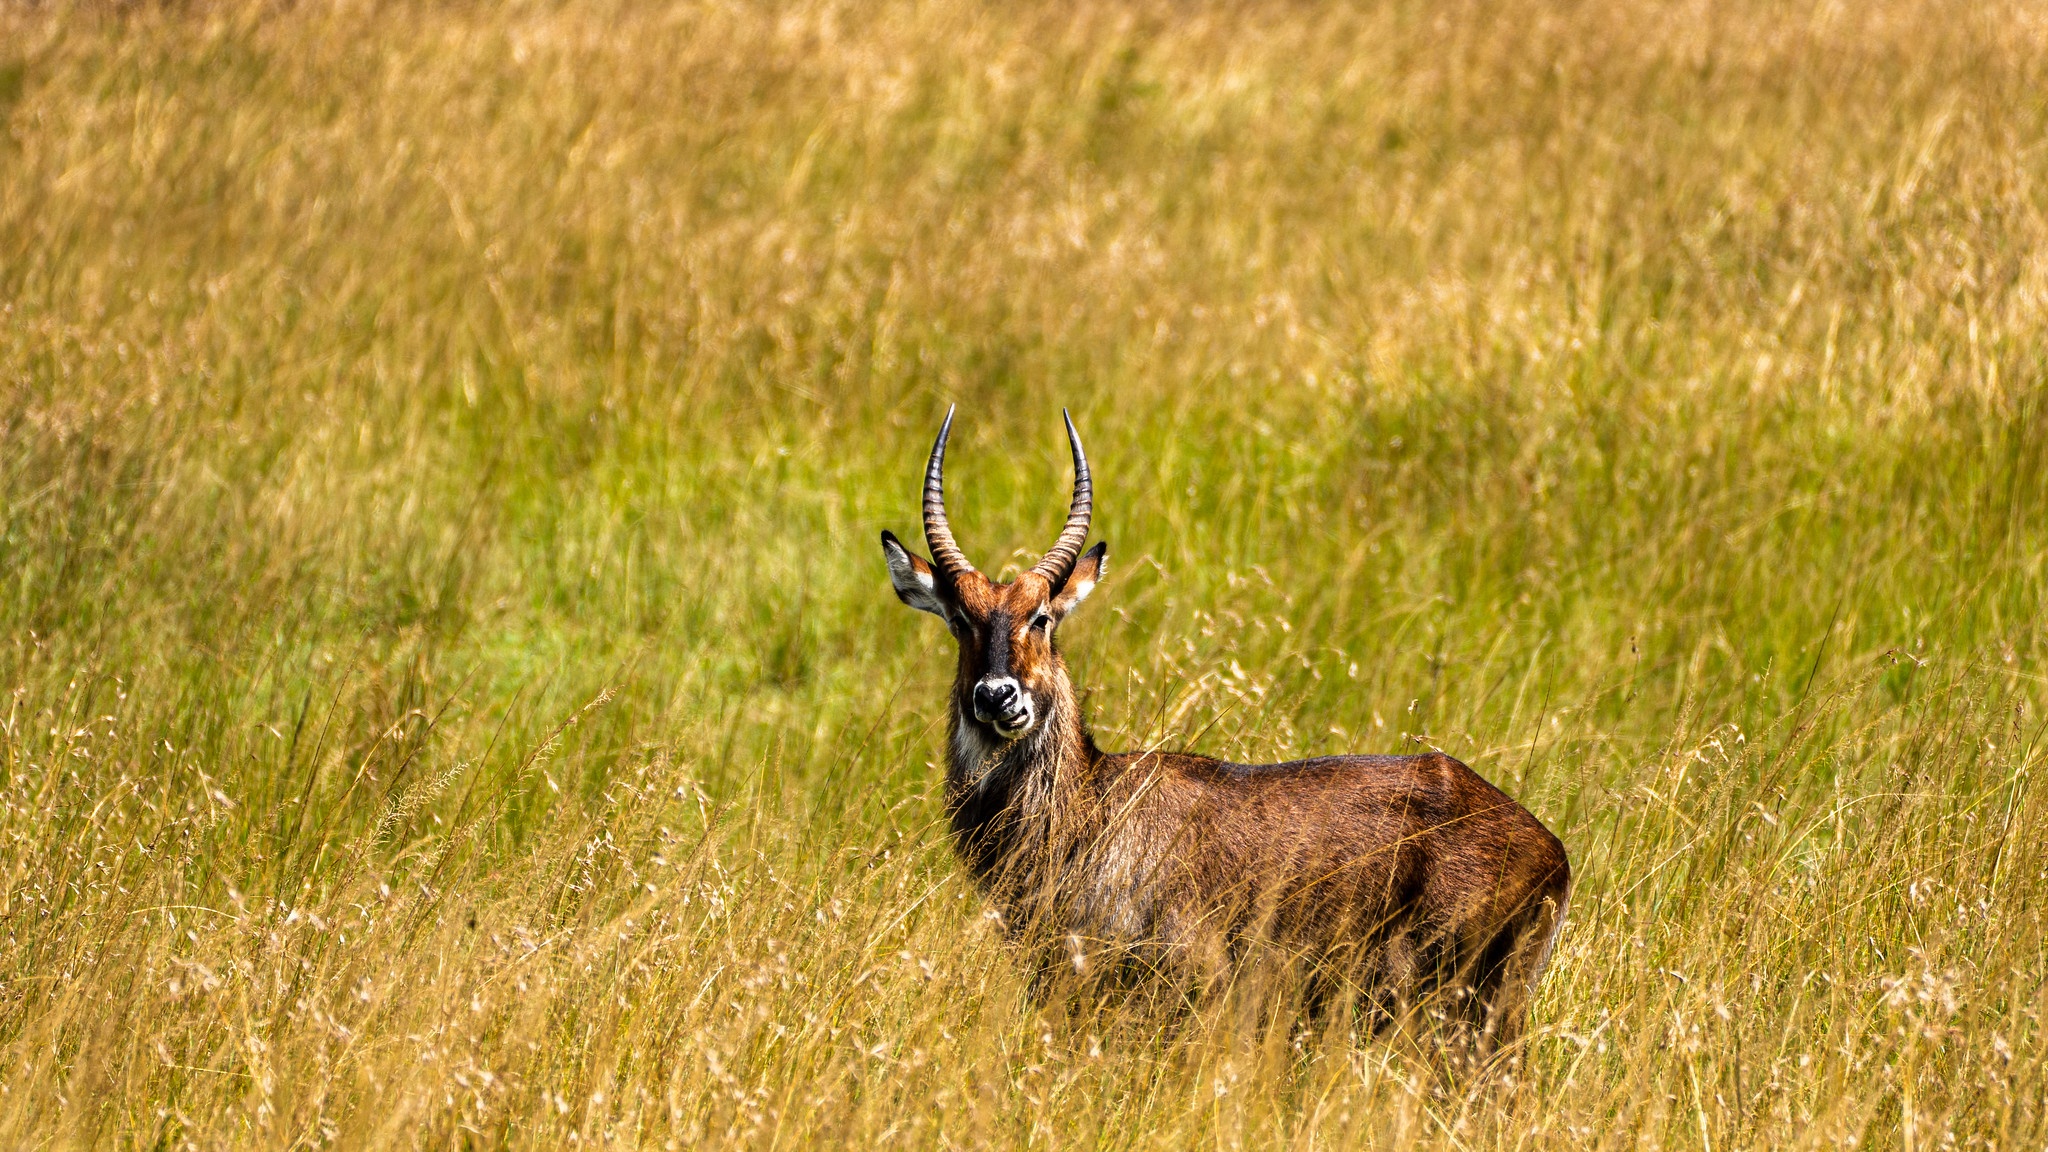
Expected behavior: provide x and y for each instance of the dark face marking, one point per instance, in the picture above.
(1008, 667)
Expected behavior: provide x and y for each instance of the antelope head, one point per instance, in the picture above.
(1010, 676)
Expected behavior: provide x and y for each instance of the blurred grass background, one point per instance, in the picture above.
(454, 693)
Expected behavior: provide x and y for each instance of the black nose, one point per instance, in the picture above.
(994, 699)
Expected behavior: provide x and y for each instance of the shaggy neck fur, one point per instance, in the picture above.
(1018, 806)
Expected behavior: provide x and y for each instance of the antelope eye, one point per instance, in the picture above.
(1041, 621)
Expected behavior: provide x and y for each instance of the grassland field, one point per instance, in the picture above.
(452, 692)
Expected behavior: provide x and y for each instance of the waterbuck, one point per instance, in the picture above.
(1408, 879)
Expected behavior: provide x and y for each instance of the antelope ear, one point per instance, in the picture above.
(912, 577)
(1087, 571)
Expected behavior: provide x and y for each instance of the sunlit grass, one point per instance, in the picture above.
(454, 693)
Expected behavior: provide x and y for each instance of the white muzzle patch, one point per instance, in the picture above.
(1002, 703)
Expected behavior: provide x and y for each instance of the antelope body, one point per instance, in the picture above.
(1407, 877)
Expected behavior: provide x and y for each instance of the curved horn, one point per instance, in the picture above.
(951, 562)
(1058, 563)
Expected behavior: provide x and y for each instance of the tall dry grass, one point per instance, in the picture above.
(453, 695)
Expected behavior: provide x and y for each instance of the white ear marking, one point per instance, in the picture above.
(1085, 576)
(914, 583)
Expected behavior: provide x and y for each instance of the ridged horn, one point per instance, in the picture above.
(946, 555)
(1057, 564)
